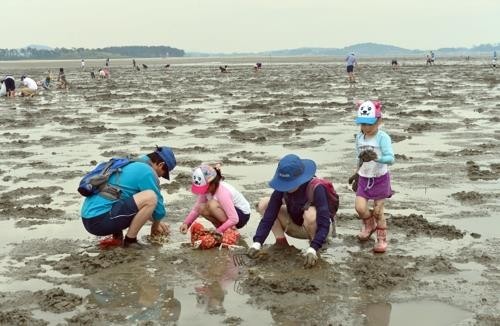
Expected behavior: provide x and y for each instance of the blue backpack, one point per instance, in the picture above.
(96, 181)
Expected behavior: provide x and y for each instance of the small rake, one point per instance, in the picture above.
(239, 258)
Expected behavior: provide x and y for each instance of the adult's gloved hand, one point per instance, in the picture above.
(254, 250)
(368, 155)
(353, 181)
(311, 258)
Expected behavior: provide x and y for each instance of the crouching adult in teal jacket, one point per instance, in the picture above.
(140, 200)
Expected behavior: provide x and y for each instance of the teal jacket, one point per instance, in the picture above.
(134, 178)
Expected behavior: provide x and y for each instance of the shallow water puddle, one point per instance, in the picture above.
(416, 313)
(480, 225)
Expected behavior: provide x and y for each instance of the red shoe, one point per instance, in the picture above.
(369, 226)
(281, 242)
(109, 242)
(381, 245)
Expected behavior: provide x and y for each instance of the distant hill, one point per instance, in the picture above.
(39, 47)
(362, 49)
(47, 53)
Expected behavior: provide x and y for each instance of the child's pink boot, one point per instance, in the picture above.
(369, 226)
(381, 245)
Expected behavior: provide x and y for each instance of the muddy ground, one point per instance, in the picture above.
(442, 267)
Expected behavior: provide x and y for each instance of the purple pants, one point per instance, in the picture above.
(375, 188)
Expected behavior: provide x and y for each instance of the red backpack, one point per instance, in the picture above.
(333, 197)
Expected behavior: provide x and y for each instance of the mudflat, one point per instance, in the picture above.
(442, 264)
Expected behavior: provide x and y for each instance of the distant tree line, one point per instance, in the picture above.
(81, 53)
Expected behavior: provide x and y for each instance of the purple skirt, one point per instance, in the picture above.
(375, 188)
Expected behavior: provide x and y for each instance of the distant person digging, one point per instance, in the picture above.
(45, 83)
(104, 73)
(257, 66)
(62, 82)
(29, 86)
(394, 64)
(10, 86)
(223, 69)
(144, 66)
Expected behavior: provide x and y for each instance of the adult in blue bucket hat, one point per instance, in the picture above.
(137, 199)
(297, 217)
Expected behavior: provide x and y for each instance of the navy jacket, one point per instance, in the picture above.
(295, 204)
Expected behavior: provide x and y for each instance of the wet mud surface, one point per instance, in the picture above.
(442, 220)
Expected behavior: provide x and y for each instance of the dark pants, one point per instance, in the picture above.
(117, 219)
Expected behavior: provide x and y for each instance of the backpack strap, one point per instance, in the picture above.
(311, 188)
(114, 192)
(310, 192)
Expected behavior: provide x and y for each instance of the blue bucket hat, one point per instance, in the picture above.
(167, 155)
(292, 172)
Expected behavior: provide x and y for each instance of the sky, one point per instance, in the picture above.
(250, 25)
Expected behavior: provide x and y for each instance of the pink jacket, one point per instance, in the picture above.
(225, 199)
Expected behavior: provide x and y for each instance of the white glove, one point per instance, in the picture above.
(256, 246)
(254, 250)
(311, 258)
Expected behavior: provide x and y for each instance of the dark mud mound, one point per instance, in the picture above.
(57, 301)
(463, 152)
(31, 215)
(20, 318)
(374, 272)
(10, 155)
(161, 121)
(245, 157)
(415, 225)
(247, 136)
(37, 247)
(91, 264)
(474, 172)
(396, 138)
(469, 197)
(438, 264)
(297, 125)
(182, 180)
(422, 113)
(419, 127)
(256, 282)
(95, 318)
(487, 320)
(307, 143)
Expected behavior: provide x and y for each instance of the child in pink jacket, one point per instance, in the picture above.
(218, 201)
